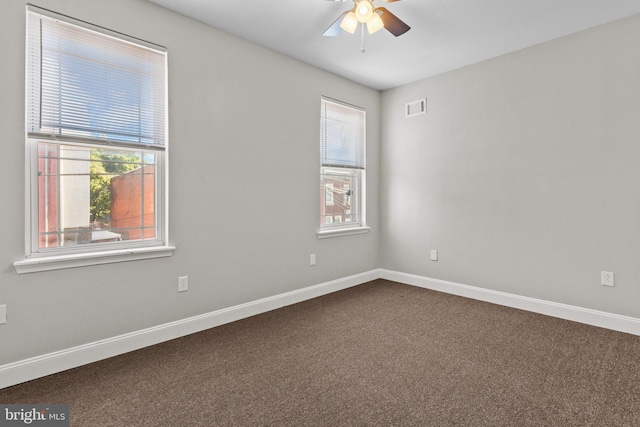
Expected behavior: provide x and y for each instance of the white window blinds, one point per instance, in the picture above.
(342, 134)
(83, 83)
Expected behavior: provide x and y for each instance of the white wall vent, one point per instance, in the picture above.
(416, 108)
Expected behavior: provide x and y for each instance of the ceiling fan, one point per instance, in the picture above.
(364, 12)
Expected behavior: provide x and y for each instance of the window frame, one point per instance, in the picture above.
(38, 259)
(344, 228)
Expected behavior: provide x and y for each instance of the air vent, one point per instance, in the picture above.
(416, 108)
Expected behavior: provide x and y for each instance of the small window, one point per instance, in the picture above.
(96, 138)
(328, 199)
(342, 169)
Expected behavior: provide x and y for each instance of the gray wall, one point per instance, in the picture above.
(244, 186)
(524, 173)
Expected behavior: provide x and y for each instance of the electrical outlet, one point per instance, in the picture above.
(3, 314)
(434, 255)
(606, 278)
(183, 283)
(312, 259)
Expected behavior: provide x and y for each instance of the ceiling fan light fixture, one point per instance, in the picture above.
(349, 23)
(375, 23)
(364, 10)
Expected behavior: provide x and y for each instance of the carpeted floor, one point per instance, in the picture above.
(380, 354)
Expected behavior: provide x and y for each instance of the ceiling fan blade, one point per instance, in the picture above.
(334, 29)
(392, 23)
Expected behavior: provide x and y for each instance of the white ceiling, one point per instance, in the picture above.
(444, 35)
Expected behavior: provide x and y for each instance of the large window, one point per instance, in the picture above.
(96, 139)
(342, 168)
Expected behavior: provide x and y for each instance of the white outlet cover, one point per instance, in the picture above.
(183, 283)
(434, 255)
(3, 314)
(606, 278)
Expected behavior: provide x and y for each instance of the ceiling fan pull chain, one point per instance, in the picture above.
(362, 46)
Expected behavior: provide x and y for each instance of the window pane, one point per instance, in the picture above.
(96, 115)
(338, 198)
(342, 164)
(83, 83)
(91, 195)
(341, 135)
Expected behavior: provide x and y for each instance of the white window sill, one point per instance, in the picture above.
(58, 262)
(335, 232)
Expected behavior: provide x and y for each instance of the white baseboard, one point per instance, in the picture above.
(630, 325)
(40, 366)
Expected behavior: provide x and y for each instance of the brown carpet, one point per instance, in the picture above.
(379, 354)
